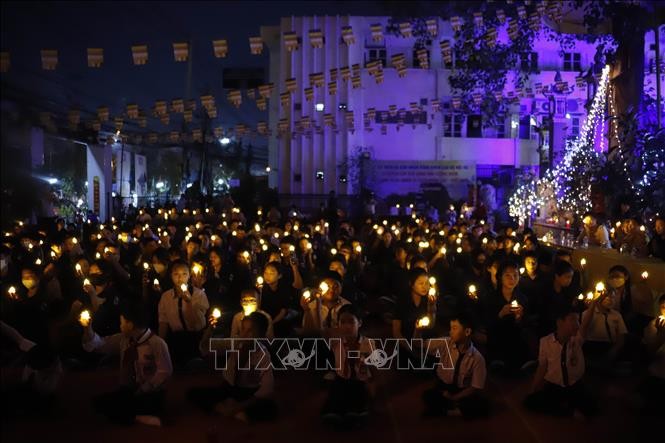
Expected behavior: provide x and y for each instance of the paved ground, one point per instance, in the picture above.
(396, 416)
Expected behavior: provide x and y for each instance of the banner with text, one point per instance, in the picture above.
(403, 176)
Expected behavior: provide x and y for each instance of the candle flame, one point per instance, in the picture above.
(216, 313)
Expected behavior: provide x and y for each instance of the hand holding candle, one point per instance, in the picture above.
(472, 292)
(84, 318)
(12, 293)
(423, 322)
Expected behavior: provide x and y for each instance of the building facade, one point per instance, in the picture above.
(394, 120)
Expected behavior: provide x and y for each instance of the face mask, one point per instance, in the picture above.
(97, 280)
(617, 282)
(29, 283)
(159, 268)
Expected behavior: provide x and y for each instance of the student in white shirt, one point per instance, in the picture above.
(145, 367)
(605, 336)
(461, 374)
(182, 315)
(558, 388)
(247, 388)
(348, 398)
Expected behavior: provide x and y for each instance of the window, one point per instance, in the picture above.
(572, 61)
(452, 125)
(575, 126)
(529, 61)
(501, 127)
(376, 54)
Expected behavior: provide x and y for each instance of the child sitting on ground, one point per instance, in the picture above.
(145, 367)
(247, 389)
(348, 399)
(461, 374)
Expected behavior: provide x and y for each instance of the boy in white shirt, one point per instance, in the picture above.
(558, 388)
(461, 374)
(145, 367)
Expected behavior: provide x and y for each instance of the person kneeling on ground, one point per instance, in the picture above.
(461, 374)
(145, 367)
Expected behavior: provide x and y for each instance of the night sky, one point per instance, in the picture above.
(71, 27)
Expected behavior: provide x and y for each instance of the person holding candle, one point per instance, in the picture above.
(182, 315)
(596, 234)
(532, 282)
(276, 298)
(145, 368)
(247, 389)
(349, 394)
(558, 387)
(103, 298)
(635, 303)
(408, 312)
(250, 301)
(461, 374)
(606, 333)
(634, 240)
(507, 323)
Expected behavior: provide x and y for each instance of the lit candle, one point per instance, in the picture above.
(183, 287)
(643, 228)
(257, 227)
(600, 286)
(324, 287)
(458, 241)
(197, 269)
(146, 266)
(259, 281)
(485, 240)
(333, 251)
(326, 224)
(155, 282)
(75, 240)
(522, 270)
(589, 295)
(216, 313)
(12, 292)
(514, 304)
(38, 262)
(442, 251)
(306, 295)
(472, 291)
(292, 248)
(259, 212)
(86, 282)
(423, 322)
(645, 275)
(359, 249)
(245, 255)
(580, 297)
(432, 292)
(234, 233)
(583, 262)
(459, 250)
(98, 255)
(432, 280)
(84, 317)
(309, 245)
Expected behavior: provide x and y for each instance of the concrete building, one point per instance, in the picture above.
(320, 161)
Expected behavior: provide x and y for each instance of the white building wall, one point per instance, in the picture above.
(325, 152)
